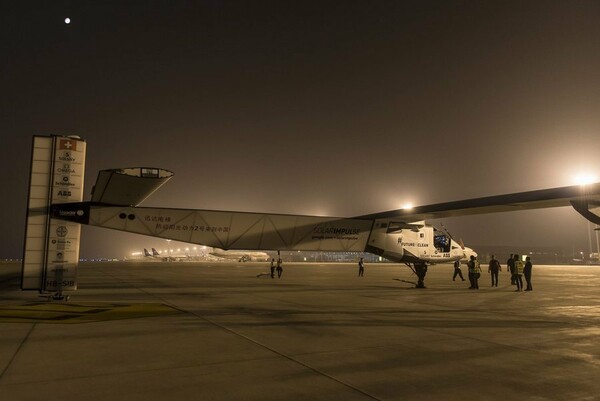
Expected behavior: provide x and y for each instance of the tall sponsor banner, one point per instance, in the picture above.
(51, 251)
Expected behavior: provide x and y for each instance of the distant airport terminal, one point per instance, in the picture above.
(540, 255)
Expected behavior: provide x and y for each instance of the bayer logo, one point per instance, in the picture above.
(61, 231)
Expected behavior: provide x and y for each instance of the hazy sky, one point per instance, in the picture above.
(331, 108)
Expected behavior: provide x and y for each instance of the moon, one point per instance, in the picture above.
(67, 21)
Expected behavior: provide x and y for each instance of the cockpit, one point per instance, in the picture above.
(441, 240)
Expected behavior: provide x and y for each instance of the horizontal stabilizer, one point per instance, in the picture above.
(128, 186)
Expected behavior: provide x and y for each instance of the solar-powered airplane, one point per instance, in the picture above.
(56, 211)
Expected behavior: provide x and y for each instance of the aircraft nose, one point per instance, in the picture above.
(468, 252)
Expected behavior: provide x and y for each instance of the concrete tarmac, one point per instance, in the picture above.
(318, 333)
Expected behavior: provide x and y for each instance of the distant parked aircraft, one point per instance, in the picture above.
(241, 256)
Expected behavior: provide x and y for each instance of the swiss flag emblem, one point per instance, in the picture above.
(67, 144)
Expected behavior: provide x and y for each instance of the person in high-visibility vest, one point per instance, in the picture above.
(474, 272)
(519, 266)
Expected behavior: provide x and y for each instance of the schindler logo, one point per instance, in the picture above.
(67, 144)
(64, 182)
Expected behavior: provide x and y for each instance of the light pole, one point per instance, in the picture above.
(597, 243)
(589, 230)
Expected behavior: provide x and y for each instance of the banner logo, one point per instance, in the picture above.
(67, 144)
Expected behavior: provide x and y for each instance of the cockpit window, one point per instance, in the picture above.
(150, 172)
(441, 241)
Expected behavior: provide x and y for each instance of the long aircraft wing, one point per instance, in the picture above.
(116, 207)
(584, 198)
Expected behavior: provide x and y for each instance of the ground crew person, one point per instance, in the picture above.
(527, 273)
(474, 272)
(494, 268)
(518, 273)
(510, 267)
(279, 267)
(272, 267)
(457, 271)
(420, 271)
(361, 268)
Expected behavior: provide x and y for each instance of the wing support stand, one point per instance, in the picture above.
(57, 296)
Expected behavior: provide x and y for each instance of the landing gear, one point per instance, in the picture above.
(420, 270)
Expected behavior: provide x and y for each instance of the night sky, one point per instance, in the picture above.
(334, 108)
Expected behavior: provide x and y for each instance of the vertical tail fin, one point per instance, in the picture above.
(155, 252)
(51, 251)
(146, 253)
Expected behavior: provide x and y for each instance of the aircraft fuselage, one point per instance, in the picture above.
(412, 243)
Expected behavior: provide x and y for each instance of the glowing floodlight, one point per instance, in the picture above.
(585, 179)
(67, 21)
(407, 206)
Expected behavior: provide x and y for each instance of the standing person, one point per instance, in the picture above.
(518, 273)
(272, 267)
(527, 273)
(470, 273)
(279, 267)
(510, 268)
(494, 268)
(361, 268)
(420, 271)
(457, 271)
(474, 272)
